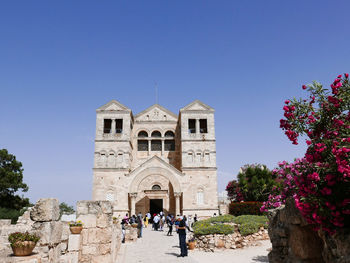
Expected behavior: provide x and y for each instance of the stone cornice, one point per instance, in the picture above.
(199, 168)
(112, 140)
(198, 140)
(110, 169)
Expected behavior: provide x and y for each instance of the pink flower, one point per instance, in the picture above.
(326, 191)
(346, 75)
(304, 87)
(287, 102)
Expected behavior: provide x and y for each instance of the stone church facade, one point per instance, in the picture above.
(156, 160)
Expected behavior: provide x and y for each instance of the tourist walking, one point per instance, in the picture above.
(139, 226)
(170, 222)
(123, 230)
(156, 220)
(146, 221)
(181, 230)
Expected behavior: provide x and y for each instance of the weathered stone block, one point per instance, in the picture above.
(73, 257)
(103, 220)
(90, 250)
(74, 242)
(99, 235)
(5, 222)
(88, 221)
(50, 232)
(46, 209)
(85, 236)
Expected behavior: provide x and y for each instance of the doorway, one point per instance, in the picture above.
(155, 206)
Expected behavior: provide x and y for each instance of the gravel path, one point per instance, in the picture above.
(157, 247)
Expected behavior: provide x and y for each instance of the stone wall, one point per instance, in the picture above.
(99, 241)
(294, 241)
(232, 241)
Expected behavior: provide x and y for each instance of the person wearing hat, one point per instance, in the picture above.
(181, 230)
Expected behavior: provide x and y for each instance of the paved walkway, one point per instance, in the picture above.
(157, 247)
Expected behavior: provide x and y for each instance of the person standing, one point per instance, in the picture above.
(139, 226)
(156, 222)
(170, 223)
(146, 221)
(181, 230)
(123, 230)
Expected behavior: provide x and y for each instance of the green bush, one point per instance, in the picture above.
(247, 224)
(250, 224)
(206, 228)
(221, 219)
(245, 208)
(13, 214)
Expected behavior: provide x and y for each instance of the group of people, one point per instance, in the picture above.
(158, 221)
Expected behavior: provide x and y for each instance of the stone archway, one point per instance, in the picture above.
(141, 193)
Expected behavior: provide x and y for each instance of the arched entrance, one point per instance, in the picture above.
(153, 190)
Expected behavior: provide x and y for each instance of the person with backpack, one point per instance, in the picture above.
(170, 222)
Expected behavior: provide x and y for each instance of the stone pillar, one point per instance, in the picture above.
(197, 126)
(149, 147)
(162, 147)
(177, 203)
(133, 203)
(113, 127)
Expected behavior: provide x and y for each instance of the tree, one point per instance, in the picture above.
(255, 183)
(11, 181)
(66, 209)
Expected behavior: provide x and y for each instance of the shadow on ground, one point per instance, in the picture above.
(261, 259)
(173, 254)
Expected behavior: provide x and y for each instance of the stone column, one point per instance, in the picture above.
(113, 126)
(197, 126)
(149, 147)
(162, 147)
(177, 203)
(133, 203)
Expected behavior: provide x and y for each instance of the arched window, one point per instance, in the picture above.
(156, 134)
(156, 187)
(169, 134)
(142, 134)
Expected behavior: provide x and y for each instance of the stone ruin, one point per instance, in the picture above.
(99, 240)
(294, 241)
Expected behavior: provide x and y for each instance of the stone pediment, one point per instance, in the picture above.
(113, 105)
(156, 162)
(197, 106)
(156, 113)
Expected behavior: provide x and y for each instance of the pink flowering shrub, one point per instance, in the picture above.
(320, 182)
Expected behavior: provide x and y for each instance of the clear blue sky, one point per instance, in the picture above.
(60, 60)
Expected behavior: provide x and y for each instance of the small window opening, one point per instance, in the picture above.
(191, 125)
(142, 145)
(156, 145)
(107, 125)
(156, 187)
(118, 125)
(200, 198)
(203, 126)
